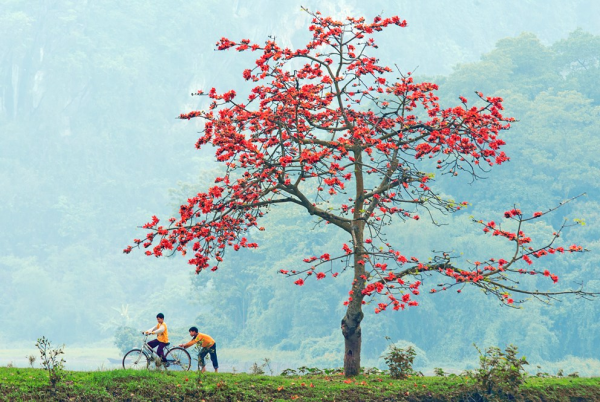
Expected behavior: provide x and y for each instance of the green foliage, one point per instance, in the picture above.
(260, 369)
(373, 371)
(542, 374)
(400, 361)
(126, 338)
(51, 360)
(256, 369)
(501, 373)
(309, 371)
(578, 57)
(553, 149)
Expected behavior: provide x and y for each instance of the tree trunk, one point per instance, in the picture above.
(353, 340)
(354, 315)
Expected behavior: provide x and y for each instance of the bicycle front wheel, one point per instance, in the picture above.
(135, 359)
(179, 359)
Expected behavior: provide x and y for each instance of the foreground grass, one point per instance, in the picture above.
(18, 384)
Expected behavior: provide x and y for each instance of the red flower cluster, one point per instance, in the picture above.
(512, 212)
(302, 135)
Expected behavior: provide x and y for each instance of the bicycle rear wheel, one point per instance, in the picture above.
(135, 359)
(179, 359)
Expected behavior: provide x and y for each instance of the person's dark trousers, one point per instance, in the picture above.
(161, 345)
(212, 351)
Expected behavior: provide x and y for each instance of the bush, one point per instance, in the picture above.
(500, 374)
(127, 338)
(400, 361)
(31, 359)
(308, 371)
(51, 361)
(257, 369)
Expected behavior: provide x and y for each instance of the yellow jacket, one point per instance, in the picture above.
(162, 334)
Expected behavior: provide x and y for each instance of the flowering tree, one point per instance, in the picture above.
(326, 129)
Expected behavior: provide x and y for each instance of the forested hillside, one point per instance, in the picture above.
(90, 149)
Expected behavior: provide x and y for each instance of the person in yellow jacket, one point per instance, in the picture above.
(162, 336)
(208, 346)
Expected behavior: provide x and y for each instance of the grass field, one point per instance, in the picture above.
(19, 384)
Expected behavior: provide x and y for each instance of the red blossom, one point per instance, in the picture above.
(325, 120)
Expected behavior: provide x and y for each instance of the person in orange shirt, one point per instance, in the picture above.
(208, 346)
(162, 336)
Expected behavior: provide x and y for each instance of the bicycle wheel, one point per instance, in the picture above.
(135, 359)
(179, 359)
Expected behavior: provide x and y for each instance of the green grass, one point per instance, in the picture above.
(19, 384)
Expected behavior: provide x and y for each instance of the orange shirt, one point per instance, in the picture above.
(164, 336)
(204, 340)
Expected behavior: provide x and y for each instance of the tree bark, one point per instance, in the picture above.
(354, 314)
(353, 340)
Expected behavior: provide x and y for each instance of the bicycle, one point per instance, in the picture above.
(178, 359)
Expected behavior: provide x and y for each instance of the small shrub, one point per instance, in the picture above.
(288, 372)
(542, 374)
(400, 361)
(574, 374)
(309, 371)
(256, 369)
(560, 373)
(439, 372)
(371, 371)
(267, 364)
(31, 359)
(51, 361)
(500, 373)
(317, 371)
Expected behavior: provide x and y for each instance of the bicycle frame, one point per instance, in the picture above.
(180, 358)
(148, 352)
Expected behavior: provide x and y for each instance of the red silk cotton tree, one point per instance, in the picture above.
(327, 129)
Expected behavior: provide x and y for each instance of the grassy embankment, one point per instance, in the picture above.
(119, 385)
